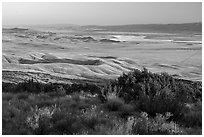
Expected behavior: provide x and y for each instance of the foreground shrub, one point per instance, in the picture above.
(114, 104)
(137, 103)
(7, 96)
(155, 93)
(192, 115)
(158, 125)
(13, 118)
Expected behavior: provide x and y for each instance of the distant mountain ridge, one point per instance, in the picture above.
(163, 28)
(191, 28)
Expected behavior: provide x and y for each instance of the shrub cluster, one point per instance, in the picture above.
(155, 93)
(139, 102)
(36, 87)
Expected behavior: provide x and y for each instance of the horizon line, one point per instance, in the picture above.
(199, 22)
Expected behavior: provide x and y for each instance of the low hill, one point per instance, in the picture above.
(162, 28)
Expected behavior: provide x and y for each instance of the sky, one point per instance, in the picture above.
(100, 13)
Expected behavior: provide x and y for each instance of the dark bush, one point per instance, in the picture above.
(22, 95)
(7, 96)
(114, 104)
(155, 93)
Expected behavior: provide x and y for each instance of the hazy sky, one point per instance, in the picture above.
(100, 13)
